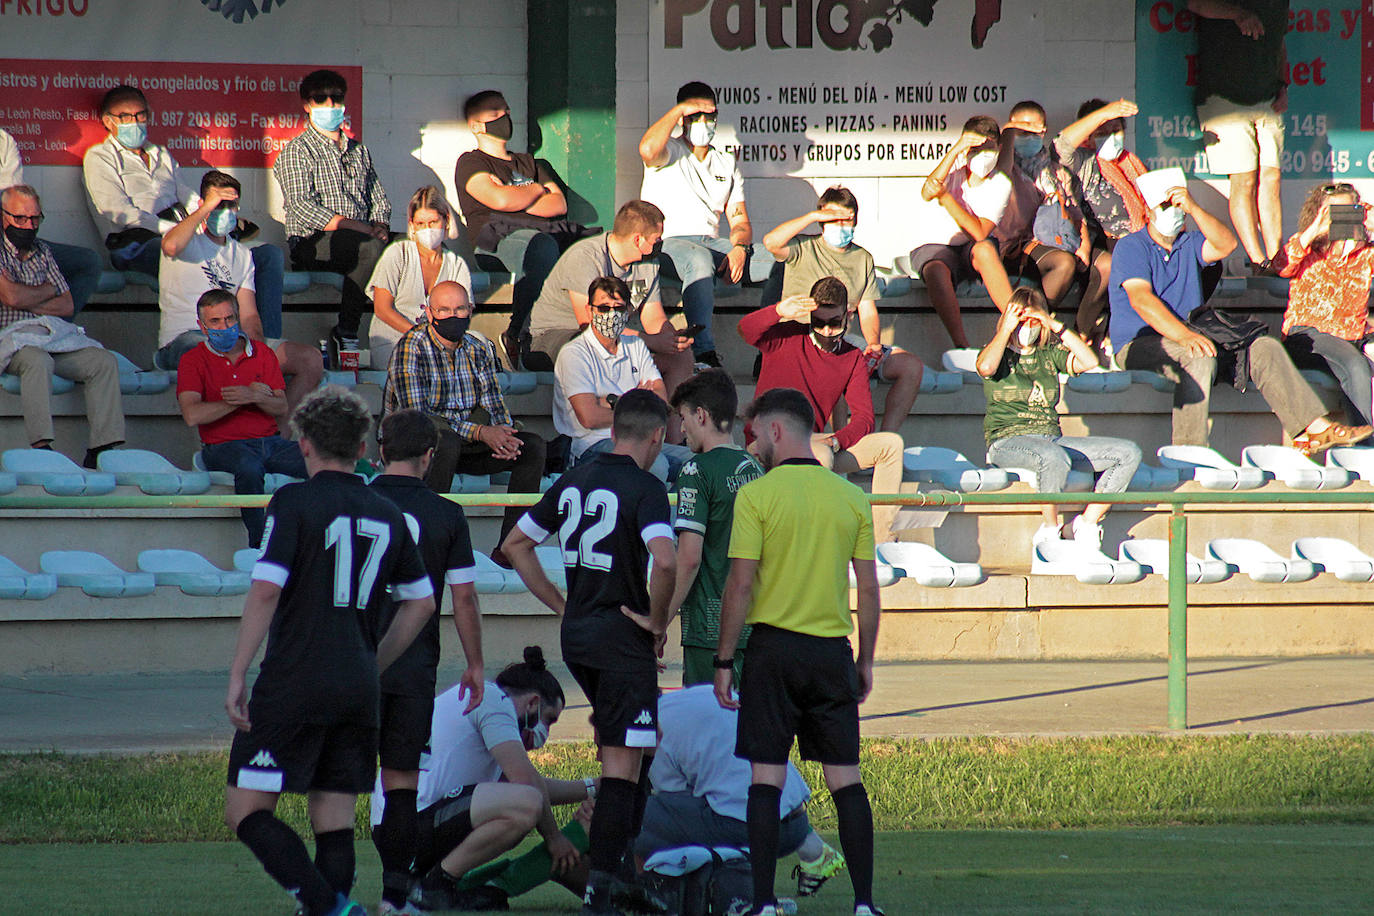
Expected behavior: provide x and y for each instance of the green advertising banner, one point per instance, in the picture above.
(1329, 124)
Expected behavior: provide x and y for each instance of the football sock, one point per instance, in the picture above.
(610, 834)
(284, 857)
(764, 827)
(855, 817)
(394, 838)
(534, 867)
(335, 859)
(641, 795)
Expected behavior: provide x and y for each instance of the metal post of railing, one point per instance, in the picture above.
(1178, 618)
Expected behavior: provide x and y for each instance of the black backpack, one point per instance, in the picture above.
(718, 888)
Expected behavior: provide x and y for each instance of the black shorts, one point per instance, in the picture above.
(802, 686)
(297, 757)
(442, 826)
(405, 730)
(624, 705)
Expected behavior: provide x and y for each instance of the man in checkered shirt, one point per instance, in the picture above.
(34, 300)
(443, 371)
(338, 218)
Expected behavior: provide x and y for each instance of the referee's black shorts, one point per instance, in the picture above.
(800, 686)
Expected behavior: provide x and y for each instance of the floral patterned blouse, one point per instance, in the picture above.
(1329, 289)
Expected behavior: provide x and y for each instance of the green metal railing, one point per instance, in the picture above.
(1175, 501)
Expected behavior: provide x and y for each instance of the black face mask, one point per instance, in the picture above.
(501, 128)
(451, 328)
(657, 250)
(21, 238)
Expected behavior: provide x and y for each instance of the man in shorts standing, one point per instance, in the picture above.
(438, 525)
(706, 487)
(795, 531)
(330, 550)
(611, 516)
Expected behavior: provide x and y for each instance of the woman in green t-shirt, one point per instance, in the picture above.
(1020, 367)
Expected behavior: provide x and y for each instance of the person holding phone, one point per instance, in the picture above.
(1329, 261)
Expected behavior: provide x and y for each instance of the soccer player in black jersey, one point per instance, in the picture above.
(330, 549)
(611, 516)
(407, 443)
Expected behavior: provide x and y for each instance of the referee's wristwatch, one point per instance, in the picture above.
(724, 664)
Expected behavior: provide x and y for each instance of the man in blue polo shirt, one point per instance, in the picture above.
(1156, 284)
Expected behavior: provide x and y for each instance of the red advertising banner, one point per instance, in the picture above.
(208, 115)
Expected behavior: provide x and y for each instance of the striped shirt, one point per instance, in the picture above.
(35, 270)
(319, 180)
(445, 383)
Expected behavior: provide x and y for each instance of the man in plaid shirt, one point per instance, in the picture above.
(338, 218)
(34, 297)
(450, 375)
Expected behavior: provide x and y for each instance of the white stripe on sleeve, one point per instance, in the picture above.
(270, 572)
(531, 528)
(461, 576)
(409, 591)
(656, 530)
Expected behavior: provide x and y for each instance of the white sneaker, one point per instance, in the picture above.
(1046, 533)
(1086, 533)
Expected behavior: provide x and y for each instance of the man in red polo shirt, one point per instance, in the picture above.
(803, 346)
(232, 392)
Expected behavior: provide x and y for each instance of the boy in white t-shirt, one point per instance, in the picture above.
(199, 254)
(957, 239)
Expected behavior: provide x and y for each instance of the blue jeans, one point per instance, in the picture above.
(268, 264)
(81, 269)
(665, 467)
(169, 357)
(1345, 359)
(673, 819)
(250, 460)
(695, 260)
(529, 255)
(1050, 457)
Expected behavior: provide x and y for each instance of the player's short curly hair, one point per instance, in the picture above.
(335, 420)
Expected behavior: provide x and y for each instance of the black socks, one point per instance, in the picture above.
(764, 826)
(856, 837)
(611, 822)
(284, 857)
(394, 838)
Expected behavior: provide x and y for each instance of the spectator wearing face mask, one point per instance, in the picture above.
(200, 253)
(409, 269)
(1326, 325)
(338, 218)
(1156, 298)
(596, 368)
(137, 193)
(803, 346)
(694, 184)
(441, 370)
(957, 239)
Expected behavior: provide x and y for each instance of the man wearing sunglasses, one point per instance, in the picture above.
(802, 340)
(35, 340)
(338, 218)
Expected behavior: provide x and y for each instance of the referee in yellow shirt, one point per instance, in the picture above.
(796, 529)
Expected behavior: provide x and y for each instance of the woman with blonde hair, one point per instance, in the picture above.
(1020, 367)
(408, 270)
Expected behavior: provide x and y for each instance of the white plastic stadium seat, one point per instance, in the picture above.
(17, 582)
(887, 573)
(95, 575)
(964, 361)
(951, 470)
(493, 579)
(1294, 468)
(1209, 468)
(151, 473)
(1342, 559)
(133, 380)
(55, 472)
(1358, 460)
(1149, 477)
(1259, 562)
(1093, 567)
(1153, 556)
(928, 566)
(192, 573)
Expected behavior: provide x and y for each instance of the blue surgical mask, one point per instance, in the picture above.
(327, 118)
(132, 135)
(1028, 145)
(222, 340)
(837, 236)
(221, 222)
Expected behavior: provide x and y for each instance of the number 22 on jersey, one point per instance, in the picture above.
(601, 507)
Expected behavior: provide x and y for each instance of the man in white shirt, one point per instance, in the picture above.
(198, 254)
(136, 192)
(956, 239)
(80, 266)
(694, 183)
(599, 365)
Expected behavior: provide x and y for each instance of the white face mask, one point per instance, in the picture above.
(701, 133)
(982, 164)
(538, 735)
(431, 237)
(1112, 145)
(1027, 335)
(1169, 222)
